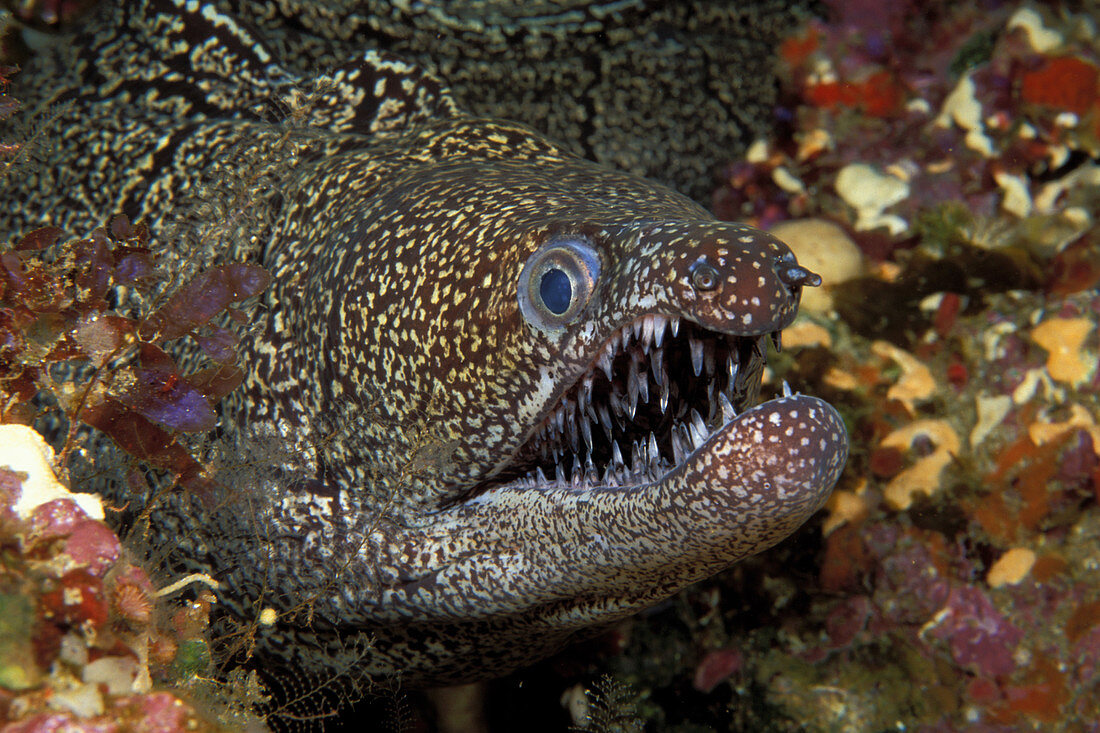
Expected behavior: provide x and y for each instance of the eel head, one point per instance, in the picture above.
(600, 342)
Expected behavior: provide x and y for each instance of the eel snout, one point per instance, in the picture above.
(727, 277)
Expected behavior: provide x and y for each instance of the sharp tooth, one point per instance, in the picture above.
(777, 342)
(696, 355)
(654, 456)
(708, 355)
(616, 456)
(674, 325)
(698, 428)
(643, 386)
(632, 387)
(639, 328)
(728, 413)
(605, 364)
(616, 401)
(664, 397)
(540, 476)
(681, 407)
(697, 421)
(647, 331)
(605, 420)
(786, 389)
(678, 451)
(559, 420)
(615, 342)
(731, 369)
(559, 473)
(656, 364)
(631, 407)
(660, 323)
(637, 463)
(571, 429)
(590, 474)
(586, 433)
(578, 473)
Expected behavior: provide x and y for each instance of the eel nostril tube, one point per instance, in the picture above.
(794, 275)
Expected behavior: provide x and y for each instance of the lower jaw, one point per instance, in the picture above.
(751, 483)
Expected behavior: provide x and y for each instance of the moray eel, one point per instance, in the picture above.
(497, 395)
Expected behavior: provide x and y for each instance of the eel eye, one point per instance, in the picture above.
(556, 291)
(557, 282)
(704, 277)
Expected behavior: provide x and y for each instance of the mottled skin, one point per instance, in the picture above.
(397, 392)
(665, 89)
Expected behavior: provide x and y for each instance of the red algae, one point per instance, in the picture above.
(54, 311)
(979, 637)
(716, 667)
(1064, 83)
(846, 560)
(1043, 698)
(1076, 268)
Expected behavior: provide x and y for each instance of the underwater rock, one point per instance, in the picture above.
(825, 248)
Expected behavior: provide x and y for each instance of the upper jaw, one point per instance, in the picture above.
(696, 303)
(650, 395)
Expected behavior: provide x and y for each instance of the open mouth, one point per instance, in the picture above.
(657, 391)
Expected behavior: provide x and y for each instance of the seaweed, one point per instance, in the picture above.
(55, 311)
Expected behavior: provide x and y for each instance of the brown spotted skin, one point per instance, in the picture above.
(393, 379)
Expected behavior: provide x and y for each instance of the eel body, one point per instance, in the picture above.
(496, 394)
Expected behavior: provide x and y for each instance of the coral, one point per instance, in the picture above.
(1064, 339)
(84, 633)
(1011, 567)
(952, 582)
(825, 249)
